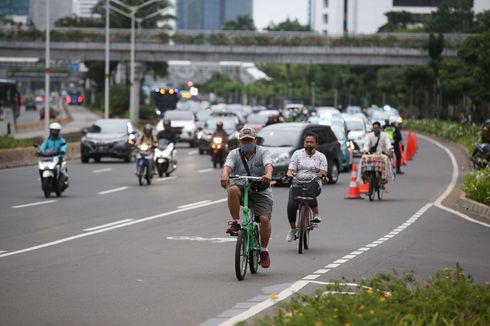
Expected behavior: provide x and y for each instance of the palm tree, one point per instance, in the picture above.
(241, 23)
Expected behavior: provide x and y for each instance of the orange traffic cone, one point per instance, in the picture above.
(415, 146)
(409, 149)
(354, 192)
(404, 157)
(363, 188)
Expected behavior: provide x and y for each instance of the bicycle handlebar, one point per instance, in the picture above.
(245, 177)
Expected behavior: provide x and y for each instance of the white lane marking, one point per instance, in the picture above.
(102, 170)
(36, 203)
(2, 251)
(192, 152)
(83, 235)
(311, 277)
(193, 238)
(332, 265)
(454, 178)
(194, 204)
(205, 170)
(108, 224)
(166, 178)
(112, 190)
(350, 256)
(321, 271)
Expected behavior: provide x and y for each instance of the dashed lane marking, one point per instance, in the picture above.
(35, 203)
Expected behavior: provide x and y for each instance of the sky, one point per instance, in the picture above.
(265, 11)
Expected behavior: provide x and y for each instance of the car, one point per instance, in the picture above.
(53, 113)
(30, 104)
(257, 121)
(353, 109)
(327, 111)
(184, 124)
(74, 98)
(339, 128)
(282, 139)
(108, 138)
(209, 127)
(240, 120)
(384, 115)
(356, 131)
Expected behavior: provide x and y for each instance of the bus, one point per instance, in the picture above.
(9, 105)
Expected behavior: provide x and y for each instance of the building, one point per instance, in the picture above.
(58, 9)
(336, 17)
(83, 8)
(209, 14)
(17, 10)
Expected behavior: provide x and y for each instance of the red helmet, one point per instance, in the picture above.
(219, 123)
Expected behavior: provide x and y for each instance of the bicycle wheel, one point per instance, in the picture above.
(307, 218)
(301, 228)
(241, 258)
(380, 192)
(372, 185)
(254, 252)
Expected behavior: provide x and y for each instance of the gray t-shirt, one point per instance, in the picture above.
(256, 164)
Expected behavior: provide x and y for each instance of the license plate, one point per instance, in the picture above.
(160, 160)
(102, 148)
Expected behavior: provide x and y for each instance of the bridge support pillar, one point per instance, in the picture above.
(134, 112)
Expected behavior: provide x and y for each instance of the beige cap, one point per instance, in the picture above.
(247, 132)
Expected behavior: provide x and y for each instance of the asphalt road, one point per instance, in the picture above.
(110, 252)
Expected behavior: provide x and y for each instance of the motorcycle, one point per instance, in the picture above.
(165, 157)
(218, 150)
(52, 171)
(479, 157)
(144, 160)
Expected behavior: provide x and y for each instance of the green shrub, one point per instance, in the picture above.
(476, 185)
(10, 142)
(463, 134)
(119, 100)
(448, 298)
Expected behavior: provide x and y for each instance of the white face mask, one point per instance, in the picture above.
(248, 147)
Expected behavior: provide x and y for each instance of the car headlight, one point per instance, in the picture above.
(281, 158)
(199, 134)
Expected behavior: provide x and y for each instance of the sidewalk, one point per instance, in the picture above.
(80, 118)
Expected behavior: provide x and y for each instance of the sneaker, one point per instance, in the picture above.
(291, 235)
(265, 260)
(234, 228)
(400, 172)
(317, 218)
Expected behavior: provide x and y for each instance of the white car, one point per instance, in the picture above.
(356, 132)
(183, 123)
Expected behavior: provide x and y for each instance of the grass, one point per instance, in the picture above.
(465, 135)
(450, 297)
(476, 186)
(7, 142)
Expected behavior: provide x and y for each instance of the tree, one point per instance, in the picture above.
(241, 23)
(75, 21)
(482, 22)
(397, 20)
(288, 25)
(452, 16)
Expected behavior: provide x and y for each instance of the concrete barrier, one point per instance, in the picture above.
(15, 157)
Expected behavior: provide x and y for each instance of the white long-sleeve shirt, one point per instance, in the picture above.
(384, 144)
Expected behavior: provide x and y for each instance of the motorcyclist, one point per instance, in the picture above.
(167, 132)
(55, 143)
(148, 139)
(220, 132)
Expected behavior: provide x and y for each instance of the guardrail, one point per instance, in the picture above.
(232, 38)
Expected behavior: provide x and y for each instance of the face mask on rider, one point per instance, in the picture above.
(248, 147)
(377, 132)
(309, 149)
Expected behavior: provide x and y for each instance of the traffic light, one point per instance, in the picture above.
(166, 99)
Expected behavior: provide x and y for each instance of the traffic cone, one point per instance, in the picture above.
(354, 192)
(415, 146)
(404, 157)
(363, 188)
(409, 149)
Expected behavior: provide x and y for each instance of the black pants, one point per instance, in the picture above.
(398, 155)
(293, 205)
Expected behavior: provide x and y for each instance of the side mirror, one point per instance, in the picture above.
(259, 141)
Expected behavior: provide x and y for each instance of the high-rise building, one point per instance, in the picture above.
(14, 7)
(210, 14)
(83, 8)
(335, 17)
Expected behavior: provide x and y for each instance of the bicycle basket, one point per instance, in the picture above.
(307, 189)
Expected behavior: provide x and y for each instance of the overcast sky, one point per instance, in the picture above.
(265, 11)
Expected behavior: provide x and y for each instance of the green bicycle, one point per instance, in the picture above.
(247, 250)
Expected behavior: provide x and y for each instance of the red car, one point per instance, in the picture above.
(53, 113)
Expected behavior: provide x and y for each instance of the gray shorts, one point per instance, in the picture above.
(261, 205)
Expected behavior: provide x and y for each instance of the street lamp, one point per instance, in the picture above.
(132, 9)
(106, 70)
(47, 71)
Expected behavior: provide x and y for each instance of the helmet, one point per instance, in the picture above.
(55, 126)
(486, 125)
(147, 129)
(393, 119)
(166, 122)
(219, 124)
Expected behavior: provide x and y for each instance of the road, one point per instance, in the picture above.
(110, 252)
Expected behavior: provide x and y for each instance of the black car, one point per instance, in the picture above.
(108, 138)
(209, 127)
(31, 104)
(283, 139)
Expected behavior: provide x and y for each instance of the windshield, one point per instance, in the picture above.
(355, 124)
(380, 115)
(203, 115)
(179, 115)
(109, 127)
(228, 124)
(257, 119)
(279, 138)
(338, 131)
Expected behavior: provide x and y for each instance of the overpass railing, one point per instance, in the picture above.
(232, 38)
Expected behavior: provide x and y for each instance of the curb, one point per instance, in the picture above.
(39, 125)
(16, 157)
(475, 206)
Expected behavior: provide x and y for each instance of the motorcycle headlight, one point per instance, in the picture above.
(281, 158)
(217, 140)
(143, 147)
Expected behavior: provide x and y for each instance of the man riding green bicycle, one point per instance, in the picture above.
(253, 160)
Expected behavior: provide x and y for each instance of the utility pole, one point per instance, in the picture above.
(47, 70)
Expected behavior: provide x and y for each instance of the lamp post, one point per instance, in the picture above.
(47, 71)
(106, 70)
(133, 112)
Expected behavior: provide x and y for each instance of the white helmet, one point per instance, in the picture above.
(55, 126)
(393, 119)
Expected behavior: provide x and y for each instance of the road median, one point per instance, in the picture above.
(16, 157)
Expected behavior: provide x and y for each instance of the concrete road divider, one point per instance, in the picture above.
(15, 157)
